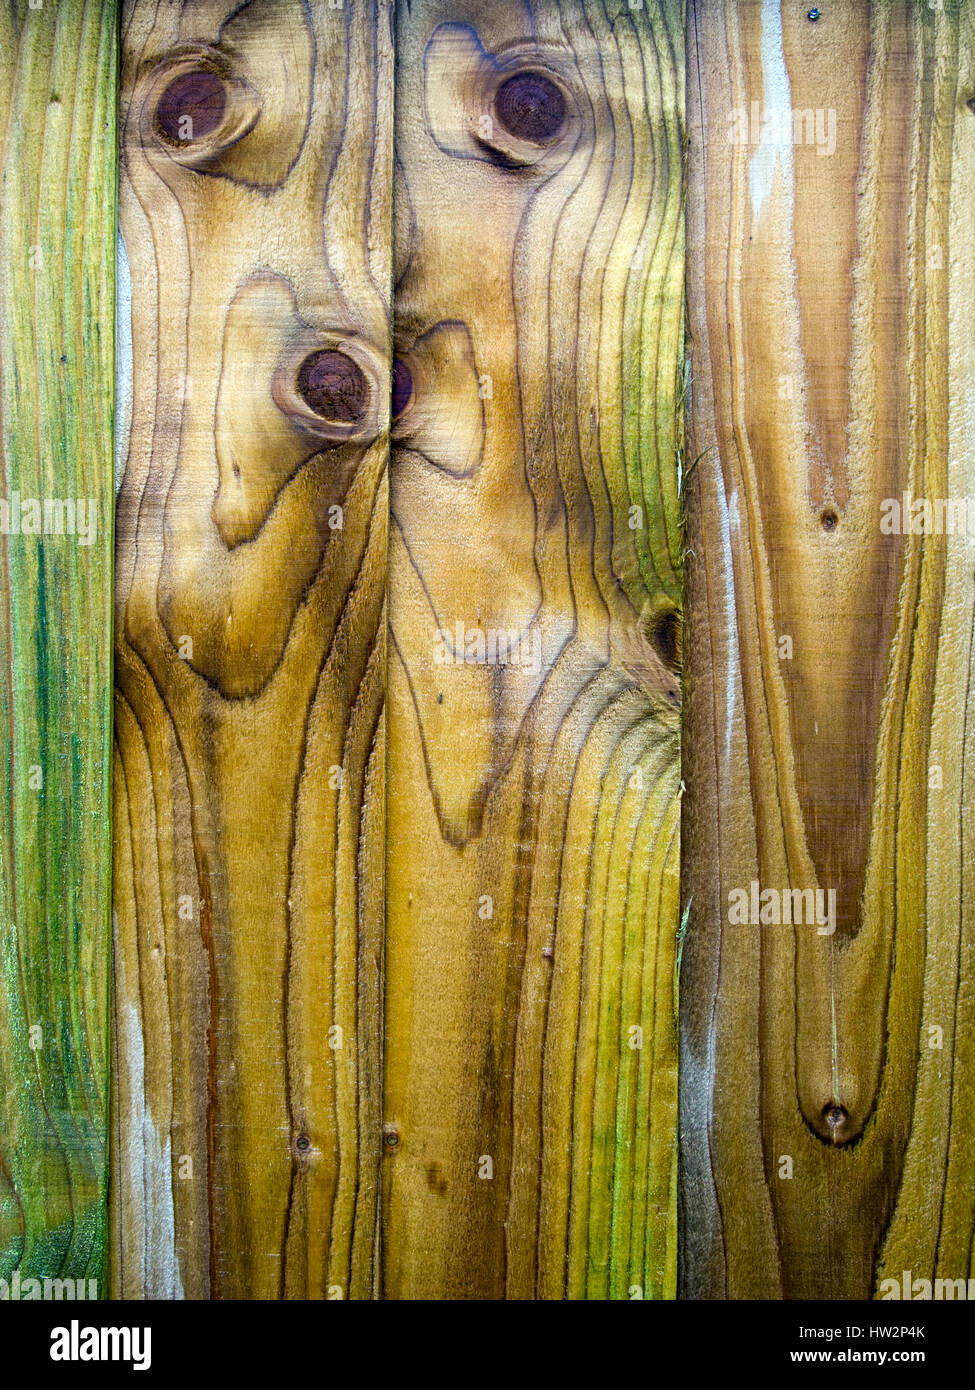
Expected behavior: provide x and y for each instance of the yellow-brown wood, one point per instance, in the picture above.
(533, 789)
(828, 1128)
(250, 651)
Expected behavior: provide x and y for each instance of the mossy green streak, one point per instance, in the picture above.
(57, 287)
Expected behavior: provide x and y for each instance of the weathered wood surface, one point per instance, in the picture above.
(250, 649)
(533, 796)
(57, 240)
(827, 1116)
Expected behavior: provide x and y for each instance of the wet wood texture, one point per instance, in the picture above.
(399, 590)
(533, 707)
(526, 1031)
(250, 649)
(827, 1121)
(57, 259)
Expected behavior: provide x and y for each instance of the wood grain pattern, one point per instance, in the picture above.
(57, 234)
(250, 651)
(533, 786)
(826, 1108)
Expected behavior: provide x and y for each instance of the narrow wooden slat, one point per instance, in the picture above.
(57, 240)
(827, 1114)
(533, 795)
(250, 649)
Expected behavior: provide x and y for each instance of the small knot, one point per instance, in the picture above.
(530, 107)
(665, 634)
(836, 1117)
(828, 519)
(191, 107)
(333, 386)
(402, 387)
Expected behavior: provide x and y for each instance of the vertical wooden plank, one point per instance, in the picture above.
(250, 651)
(534, 787)
(827, 1116)
(57, 234)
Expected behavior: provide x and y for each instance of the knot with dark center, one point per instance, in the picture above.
(402, 388)
(333, 386)
(191, 107)
(531, 107)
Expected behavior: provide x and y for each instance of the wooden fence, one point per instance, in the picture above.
(543, 622)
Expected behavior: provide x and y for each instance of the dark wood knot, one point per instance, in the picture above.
(531, 107)
(837, 1119)
(402, 387)
(665, 634)
(333, 386)
(192, 106)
